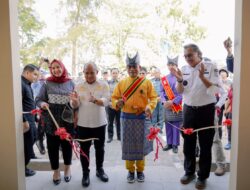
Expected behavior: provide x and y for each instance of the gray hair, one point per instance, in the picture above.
(90, 63)
(195, 48)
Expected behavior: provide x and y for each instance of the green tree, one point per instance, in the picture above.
(179, 25)
(30, 28)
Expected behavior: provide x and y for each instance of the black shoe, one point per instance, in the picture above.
(200, 184)
(57, 181)
(175, 149)
(29, 172)
(167, 147)
(186, 179)
(101, 174)
(40, 147)
(67, 178)
(140, 177)
(85, 179)
(131, 177)
(109, 140)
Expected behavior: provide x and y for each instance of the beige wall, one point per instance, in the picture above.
(11, 137)
(240, 154)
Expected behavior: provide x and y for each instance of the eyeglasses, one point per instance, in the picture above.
(190, 55)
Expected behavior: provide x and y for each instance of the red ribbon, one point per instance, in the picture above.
(153, 135)
(36, 111)
(188, 131)
(227, 122)
(77, 150)
(64, 135)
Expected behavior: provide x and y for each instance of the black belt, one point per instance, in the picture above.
(198, 107)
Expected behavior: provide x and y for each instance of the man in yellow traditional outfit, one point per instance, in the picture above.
(136, 98)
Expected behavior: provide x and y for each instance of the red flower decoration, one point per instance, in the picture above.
(227, 122)
(188, 131)
(63, 134)
(36, 111)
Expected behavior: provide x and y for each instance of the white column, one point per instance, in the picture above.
(240, 153)
(11, 136)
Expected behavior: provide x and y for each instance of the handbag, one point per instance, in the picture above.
(68, 114)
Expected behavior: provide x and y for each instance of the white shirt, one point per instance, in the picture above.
(195, 92)
(91, 115)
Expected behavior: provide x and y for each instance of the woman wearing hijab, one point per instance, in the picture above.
(55, 95)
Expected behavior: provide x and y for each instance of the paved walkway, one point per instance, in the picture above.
(160, 175)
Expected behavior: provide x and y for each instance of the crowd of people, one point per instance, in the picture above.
(195, 96)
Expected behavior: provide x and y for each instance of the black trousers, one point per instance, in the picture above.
(198, 117)
(114, 115)
(53, 144)
(40, 131)
(29, 140)
(84, 133)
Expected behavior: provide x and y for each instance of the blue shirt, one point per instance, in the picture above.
(157, 85)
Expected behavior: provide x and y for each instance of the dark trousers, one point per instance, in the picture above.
(198, 117)
(28, 139)
(53, 144)
(85, 133)
(40, 132)
(114, 115)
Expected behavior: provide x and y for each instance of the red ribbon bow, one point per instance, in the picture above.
(154, 135)
(188, 131)
(227, 122)
(63, 134)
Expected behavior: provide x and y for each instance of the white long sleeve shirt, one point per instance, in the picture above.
(195, 92)
(92, 115)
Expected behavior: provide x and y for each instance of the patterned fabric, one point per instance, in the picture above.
(134, 131)
(172, 116)
(58, 99)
